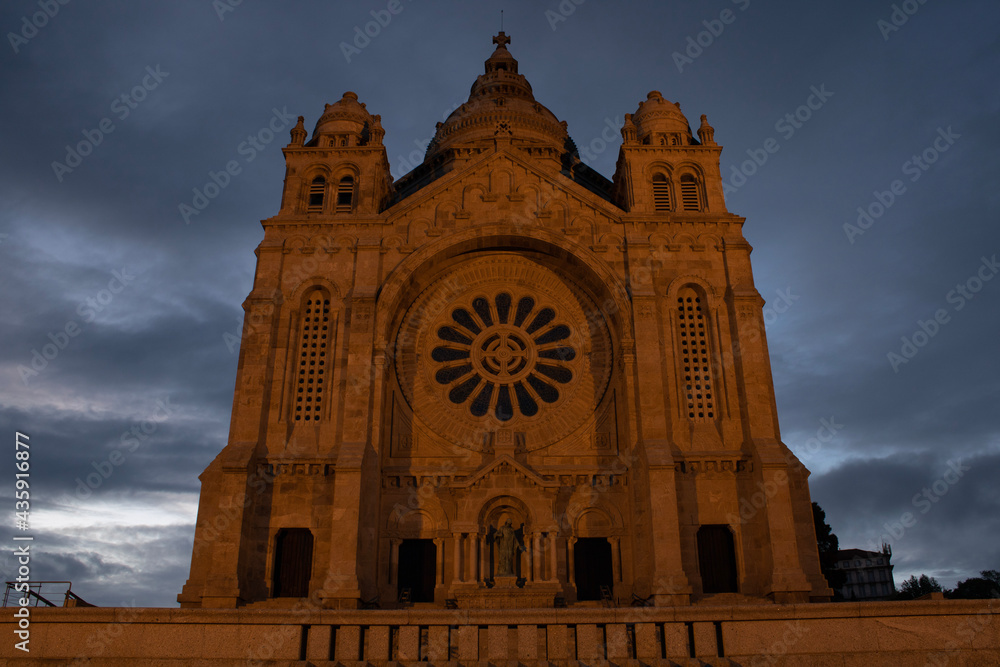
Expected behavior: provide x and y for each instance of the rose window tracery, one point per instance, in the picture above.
(501, 358)
(502, 341)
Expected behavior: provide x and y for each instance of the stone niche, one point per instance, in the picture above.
(511, 570)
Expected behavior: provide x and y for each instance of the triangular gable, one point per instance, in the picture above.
(481, 168)
(497, 465)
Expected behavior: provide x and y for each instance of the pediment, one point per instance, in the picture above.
(504, 464)
(498, 186)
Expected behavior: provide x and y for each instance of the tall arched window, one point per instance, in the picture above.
(661, 193)
(312, 369)
(698, 385)
(345, 194)
(317, 190)
(690, 194)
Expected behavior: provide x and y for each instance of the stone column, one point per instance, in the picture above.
(473, 557)
(439, 565)
(616, 558)
(457, 567)
(393, 560)
(571, 559)
(553, 559)
(484, 554)
(536, 556)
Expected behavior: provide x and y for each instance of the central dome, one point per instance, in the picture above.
(500, 104)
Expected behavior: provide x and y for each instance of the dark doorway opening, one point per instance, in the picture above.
(417, 562)
(717, 559)
(592, 565)
(292, 563)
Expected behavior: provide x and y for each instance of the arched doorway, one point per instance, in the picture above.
(293, 549)
(717, 560)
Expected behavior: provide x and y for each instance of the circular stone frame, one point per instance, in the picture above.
(467, 368)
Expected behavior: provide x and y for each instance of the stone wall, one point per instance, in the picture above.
(917, 633)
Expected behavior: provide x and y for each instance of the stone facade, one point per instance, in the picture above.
(868, 574)
(503, 335)
(956, 633)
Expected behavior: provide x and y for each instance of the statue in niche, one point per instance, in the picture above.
(506, 541)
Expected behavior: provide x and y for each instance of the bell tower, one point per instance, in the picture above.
(503, 380)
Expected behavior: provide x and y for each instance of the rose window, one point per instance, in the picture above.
(503, 358)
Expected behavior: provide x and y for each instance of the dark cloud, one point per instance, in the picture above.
(162, 337)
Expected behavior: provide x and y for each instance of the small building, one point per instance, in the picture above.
(869, 574)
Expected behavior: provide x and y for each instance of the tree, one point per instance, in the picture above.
(829, 546)
(914, 588)
(983, 587)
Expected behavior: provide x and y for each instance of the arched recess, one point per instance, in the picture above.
(416, 231)
(690, 188)
(587, 283)
(414, 524)
(293, 330)
(472, 194)
(494, 510)
(501, 182)
(658, 167)
(444, 215)
(493, 515)
(593, 522)
(530, 204)
(709, 290)
(698, 369)
(424, 266)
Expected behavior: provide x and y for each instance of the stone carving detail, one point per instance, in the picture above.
(500, 357)
(506, 540)
(502, 341)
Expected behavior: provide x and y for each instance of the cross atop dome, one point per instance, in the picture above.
(501, 40)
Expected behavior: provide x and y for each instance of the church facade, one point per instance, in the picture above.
(503, 380)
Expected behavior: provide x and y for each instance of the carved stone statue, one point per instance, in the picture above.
(506, 546)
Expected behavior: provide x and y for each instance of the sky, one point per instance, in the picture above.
(860, 143)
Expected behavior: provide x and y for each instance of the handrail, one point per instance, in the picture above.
(34, 594)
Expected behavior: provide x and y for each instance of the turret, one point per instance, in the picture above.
(343, 169)
(662, 169)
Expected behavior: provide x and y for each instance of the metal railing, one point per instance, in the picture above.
(34, 593)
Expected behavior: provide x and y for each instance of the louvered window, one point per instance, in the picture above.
(345, 195)
(661, 193)
(317, 189)
(690, 195)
